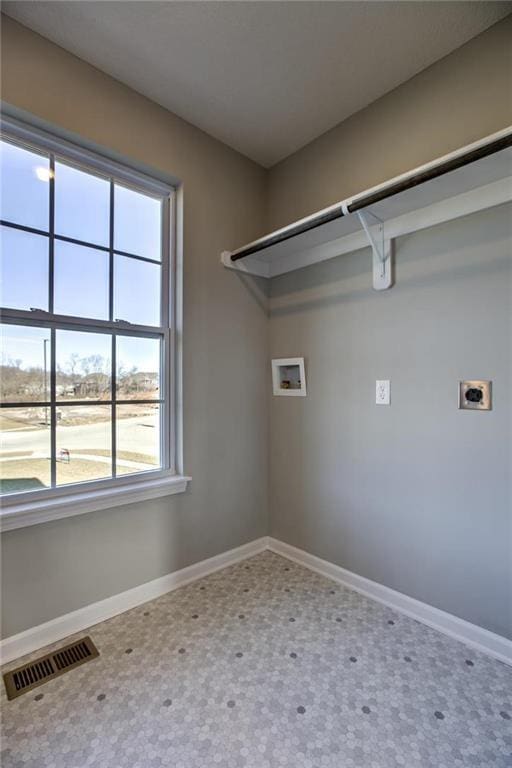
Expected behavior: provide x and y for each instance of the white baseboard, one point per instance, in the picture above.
(51, 631)
(57, 629)
(470, 634)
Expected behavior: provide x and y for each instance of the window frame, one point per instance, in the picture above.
(29, 507)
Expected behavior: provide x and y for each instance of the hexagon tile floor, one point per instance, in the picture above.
(262, 665)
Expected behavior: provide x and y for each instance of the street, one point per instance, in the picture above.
(137, 435)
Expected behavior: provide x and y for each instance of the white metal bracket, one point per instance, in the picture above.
(381, 249)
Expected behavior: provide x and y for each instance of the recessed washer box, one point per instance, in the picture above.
(475, 395)
(289, 377)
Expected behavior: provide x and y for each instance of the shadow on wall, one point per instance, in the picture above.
(257, 287)
(419, 263)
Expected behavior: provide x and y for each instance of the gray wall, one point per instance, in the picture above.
(50, 569)
(385, 492)
(457, 100)
(417, 495)
(388, 492)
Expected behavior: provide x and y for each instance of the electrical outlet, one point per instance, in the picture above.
(383, 392)
(475, 395)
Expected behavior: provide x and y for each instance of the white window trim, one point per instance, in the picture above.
(42, 511)
(25, 509)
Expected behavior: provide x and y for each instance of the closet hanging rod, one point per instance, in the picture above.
(304, 225)
(452, 164)
(428, 172)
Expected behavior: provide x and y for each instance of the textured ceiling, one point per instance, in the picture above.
(264, 77)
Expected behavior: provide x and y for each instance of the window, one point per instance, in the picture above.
(88, 363)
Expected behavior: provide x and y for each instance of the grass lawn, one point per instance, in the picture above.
(24, 475)
(142, 458)
(31, 474)
(7, 423)
(144, 467)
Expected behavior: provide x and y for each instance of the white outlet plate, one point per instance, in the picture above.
(383, 392)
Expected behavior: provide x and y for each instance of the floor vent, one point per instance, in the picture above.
(35, 673)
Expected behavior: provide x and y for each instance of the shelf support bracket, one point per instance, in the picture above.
(381, 249)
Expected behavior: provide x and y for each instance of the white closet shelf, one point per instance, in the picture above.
(471, 179)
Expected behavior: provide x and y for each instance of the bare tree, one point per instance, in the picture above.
(73, 362)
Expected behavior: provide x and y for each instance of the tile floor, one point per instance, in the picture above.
(262, 665)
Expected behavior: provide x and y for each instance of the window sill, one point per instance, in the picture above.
(20, 515)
